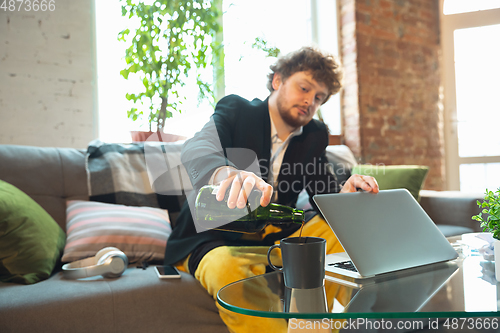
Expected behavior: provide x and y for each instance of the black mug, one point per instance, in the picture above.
(303, 261)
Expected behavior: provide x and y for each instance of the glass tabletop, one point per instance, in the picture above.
(462, 288)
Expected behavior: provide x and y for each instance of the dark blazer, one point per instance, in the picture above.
(246, 126)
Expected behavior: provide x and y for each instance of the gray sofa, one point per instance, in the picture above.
(138, 301)
(452, 210)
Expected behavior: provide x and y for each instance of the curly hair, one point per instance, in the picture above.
(323, 68)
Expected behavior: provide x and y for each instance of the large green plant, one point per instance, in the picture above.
(490, 206)
(174, 39)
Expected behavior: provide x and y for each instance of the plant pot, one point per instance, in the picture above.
(496, 245)
(140, 136)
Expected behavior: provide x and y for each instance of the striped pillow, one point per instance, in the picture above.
(140, 232)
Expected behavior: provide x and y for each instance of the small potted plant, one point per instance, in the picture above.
(491, 207)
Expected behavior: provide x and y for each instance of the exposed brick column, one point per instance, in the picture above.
(392, 102)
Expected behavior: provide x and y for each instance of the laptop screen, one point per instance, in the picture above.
(384, 232)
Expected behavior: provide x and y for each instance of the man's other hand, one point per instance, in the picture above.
(365, 183)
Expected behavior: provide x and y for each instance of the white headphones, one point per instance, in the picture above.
(109, 262)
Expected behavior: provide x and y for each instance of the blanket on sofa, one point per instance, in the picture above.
(138, 174)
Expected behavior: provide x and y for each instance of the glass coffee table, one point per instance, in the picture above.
(463, 288)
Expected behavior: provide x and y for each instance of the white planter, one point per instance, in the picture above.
(496, 243)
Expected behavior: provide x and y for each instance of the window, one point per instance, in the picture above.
(466, 6)
(472, 101)
(285, 24)
(114, 126)
(246, 67)
(478, 101)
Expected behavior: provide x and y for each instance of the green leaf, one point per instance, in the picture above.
(491, 206)
(132, 114)
(172, 42)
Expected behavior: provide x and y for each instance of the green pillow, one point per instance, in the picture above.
(410, 177)
(31, 242)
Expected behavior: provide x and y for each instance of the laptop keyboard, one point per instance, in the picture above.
(345, 265)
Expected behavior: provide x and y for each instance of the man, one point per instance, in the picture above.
(289, 146)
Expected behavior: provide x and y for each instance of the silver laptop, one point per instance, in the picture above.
(381, 233)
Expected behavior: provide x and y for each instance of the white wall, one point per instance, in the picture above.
(47, 75)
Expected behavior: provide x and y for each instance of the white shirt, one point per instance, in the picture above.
(278, 149)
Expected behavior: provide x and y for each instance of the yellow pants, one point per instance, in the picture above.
(226, 264)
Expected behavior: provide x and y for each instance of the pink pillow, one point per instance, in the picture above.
(140, 232)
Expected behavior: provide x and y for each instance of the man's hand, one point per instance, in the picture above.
(241, 184)
(355, 182)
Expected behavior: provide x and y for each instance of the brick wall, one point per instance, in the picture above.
(391, 100)
(47, 73)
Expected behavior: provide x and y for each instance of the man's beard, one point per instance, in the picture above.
(287, 117)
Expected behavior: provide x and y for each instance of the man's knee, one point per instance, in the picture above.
(227, 264)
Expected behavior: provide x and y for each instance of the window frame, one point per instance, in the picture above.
(450, 23)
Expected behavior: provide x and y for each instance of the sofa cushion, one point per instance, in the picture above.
(342, 160)
(138, 174)
(453, 230)
(138, 301)
(140, 232)
(410, 177)
(31, 242)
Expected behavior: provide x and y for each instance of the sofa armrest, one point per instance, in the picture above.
(451, 207)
